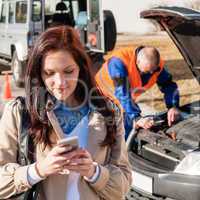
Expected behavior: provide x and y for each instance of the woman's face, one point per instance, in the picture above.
(60, 74)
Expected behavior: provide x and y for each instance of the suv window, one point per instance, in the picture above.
(11, 16)
(36, 11)
(21, 12)
(94, 12)
(3, 13)
(75, 8)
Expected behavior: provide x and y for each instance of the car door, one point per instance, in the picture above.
(10, 29)
(37, 21)
(95, 29)
(3, 27)
(17, 28)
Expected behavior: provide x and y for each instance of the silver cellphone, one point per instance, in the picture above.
(71, 141)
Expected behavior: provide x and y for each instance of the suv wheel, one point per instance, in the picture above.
(110, 30)
(17, 69)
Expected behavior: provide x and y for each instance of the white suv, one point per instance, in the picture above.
(21, 21)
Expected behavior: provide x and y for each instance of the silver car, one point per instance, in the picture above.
(156, 154)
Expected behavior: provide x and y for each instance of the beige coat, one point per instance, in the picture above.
(115, 173)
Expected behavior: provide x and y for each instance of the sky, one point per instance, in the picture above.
(127, 12)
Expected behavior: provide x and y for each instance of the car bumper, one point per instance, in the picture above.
(149, 179)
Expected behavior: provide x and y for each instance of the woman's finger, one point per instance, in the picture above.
(57, 159)
(61, 149)
(77, 167)
(77, 154)
(81, 161)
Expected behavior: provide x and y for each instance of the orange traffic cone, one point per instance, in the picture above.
(7, 88)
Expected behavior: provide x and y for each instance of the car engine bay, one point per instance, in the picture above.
(167, 146)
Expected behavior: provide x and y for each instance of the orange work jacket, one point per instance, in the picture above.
(127, 56)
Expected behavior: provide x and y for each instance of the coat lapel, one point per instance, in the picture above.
(96, 135)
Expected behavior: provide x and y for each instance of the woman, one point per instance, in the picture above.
(59, 72)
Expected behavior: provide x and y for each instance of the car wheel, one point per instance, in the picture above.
(17, 70)
(97, 61)
(110, 30)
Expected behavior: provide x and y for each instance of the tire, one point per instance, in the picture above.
(97, 61)
(110, 30)
(17, 70)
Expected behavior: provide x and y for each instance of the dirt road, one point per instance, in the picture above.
(188, 86)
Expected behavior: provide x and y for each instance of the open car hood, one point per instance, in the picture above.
(183, 26)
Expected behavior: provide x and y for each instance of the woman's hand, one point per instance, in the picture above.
(54, 162)
(80, 162)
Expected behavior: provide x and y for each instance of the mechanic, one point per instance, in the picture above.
(127, 74)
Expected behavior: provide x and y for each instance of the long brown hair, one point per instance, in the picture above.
(54, 39)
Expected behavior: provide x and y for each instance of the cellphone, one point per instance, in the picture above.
(71, 141)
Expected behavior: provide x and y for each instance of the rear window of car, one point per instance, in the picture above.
(21, 12)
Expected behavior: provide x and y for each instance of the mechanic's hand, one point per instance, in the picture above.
(145, 123)
(81, 162)
(172, 115)
(55, 161)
